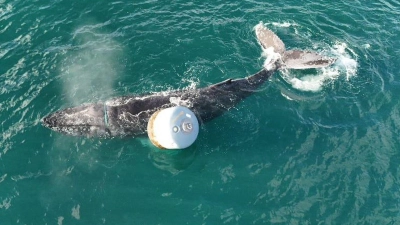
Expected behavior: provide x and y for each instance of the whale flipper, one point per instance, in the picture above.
(292, 59)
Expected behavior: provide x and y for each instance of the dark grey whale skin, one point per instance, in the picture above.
(129, 115)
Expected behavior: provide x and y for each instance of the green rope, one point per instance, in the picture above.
(105, 115)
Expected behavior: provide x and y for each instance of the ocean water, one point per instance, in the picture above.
(310, 147)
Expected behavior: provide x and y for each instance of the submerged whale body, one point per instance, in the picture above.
(129, 115)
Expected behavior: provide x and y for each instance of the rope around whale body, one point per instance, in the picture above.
(105, 115)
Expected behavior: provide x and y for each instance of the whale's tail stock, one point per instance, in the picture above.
(291, 59)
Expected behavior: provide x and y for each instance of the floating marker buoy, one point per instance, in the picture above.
(173, 128)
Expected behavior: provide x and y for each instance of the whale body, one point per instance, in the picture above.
(129, 115)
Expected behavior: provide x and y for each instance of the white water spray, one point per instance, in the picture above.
(89, 72)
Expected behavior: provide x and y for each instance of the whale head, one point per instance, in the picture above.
(85, 120)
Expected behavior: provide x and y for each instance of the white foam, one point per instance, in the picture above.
(270, 58)
(178, 101)
(345, 59)
(60, 220)
(193, 83)
(75, 212)
(283, 24)
(2, 178)
(5, 9)
(313, 83)
(6, 203)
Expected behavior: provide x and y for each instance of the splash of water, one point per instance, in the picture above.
(313, 83)
(283, 24)
(346, 62)
(270, 58)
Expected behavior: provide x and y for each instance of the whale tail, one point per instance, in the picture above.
(292, 59)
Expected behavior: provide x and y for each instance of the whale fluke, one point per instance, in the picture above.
(291, 59)
(269, 39)
(296, 59)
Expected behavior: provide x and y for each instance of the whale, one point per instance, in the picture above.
(129, 115)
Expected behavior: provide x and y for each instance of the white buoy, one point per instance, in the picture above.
(173, 128)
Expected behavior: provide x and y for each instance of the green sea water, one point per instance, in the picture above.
(310, 147)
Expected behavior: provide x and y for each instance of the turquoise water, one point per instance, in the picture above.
(311, 147)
